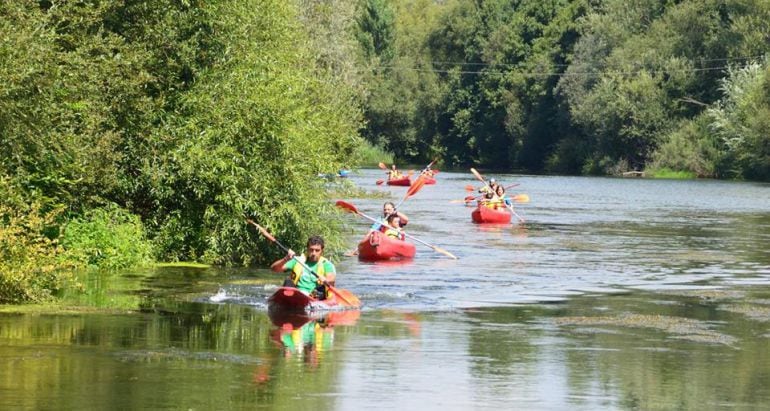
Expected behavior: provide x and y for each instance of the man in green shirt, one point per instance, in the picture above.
(299, 275)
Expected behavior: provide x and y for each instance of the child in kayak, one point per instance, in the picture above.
(388, 209)
(394, 231)
(302, 278)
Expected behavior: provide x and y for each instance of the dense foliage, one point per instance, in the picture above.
(188, 114)
(573, 86)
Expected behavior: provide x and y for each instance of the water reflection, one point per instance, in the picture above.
(309, 336)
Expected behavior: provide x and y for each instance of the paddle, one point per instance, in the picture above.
(478, 176)
(416, 185)
(266, 234)
(510, 208)
(351, 208)
(524, 198)
(518, 198)
(513, 212)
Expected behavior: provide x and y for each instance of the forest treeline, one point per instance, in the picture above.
(133, 131)
(573, 86)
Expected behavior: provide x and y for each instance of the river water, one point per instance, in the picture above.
(613, 294)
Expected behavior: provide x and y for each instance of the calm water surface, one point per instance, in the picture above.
(614, 294)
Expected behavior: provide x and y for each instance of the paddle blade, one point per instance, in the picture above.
(415, 187)
(346, 206)
(470, 188)
(445, 252)
(261, 230)
(346, 296)
(379, 182)
(520, 198)
(478, 176)
(382, 166)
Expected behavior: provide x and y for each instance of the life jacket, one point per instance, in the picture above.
(394, 233)
(296, 272)
(494, 202)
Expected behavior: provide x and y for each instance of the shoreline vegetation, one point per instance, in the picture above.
(135, 133)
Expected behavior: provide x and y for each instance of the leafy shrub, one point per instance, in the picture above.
(368, 154)
(108, 237)
(30, 267)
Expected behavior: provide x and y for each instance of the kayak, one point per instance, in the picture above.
(485, 215)
(290, 299)
(404, 181)
(376, 246)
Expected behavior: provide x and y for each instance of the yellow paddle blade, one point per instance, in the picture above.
(520, 198)
(445, 252)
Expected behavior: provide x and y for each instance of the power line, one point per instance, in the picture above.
(700, 60)
(551, 73)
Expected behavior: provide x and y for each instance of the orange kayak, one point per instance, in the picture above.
(377, 246)
(485, 215)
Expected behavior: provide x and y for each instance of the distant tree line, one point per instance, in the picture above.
(572, 86)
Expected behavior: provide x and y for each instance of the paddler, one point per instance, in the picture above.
(498, 199)
(299, 276)
(388, 209)
(394, 231)
(394, 174)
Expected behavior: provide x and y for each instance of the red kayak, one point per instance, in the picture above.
(376, 246)
(485, 215)
(290, 299)
(404, 181)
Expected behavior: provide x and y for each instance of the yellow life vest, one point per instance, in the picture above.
(393, 233)
(296, 272)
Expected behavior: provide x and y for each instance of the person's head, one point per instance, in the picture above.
(394, 220)
(492, 182)
(315, 248)
(393, 167)
(388, 209)
(500, 191)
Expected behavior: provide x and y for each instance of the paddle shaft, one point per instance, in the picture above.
(418, 177)
(407, 235)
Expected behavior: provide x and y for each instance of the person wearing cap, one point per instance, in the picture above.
(490, 188)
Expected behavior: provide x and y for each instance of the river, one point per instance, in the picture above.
(613, 294)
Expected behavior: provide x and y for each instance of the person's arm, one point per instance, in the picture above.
(278, 265)
(330, 273)
(404, 219)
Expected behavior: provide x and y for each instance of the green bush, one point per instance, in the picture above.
(108, 237)
(690, 149)
(30, 267)
(369, 155)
